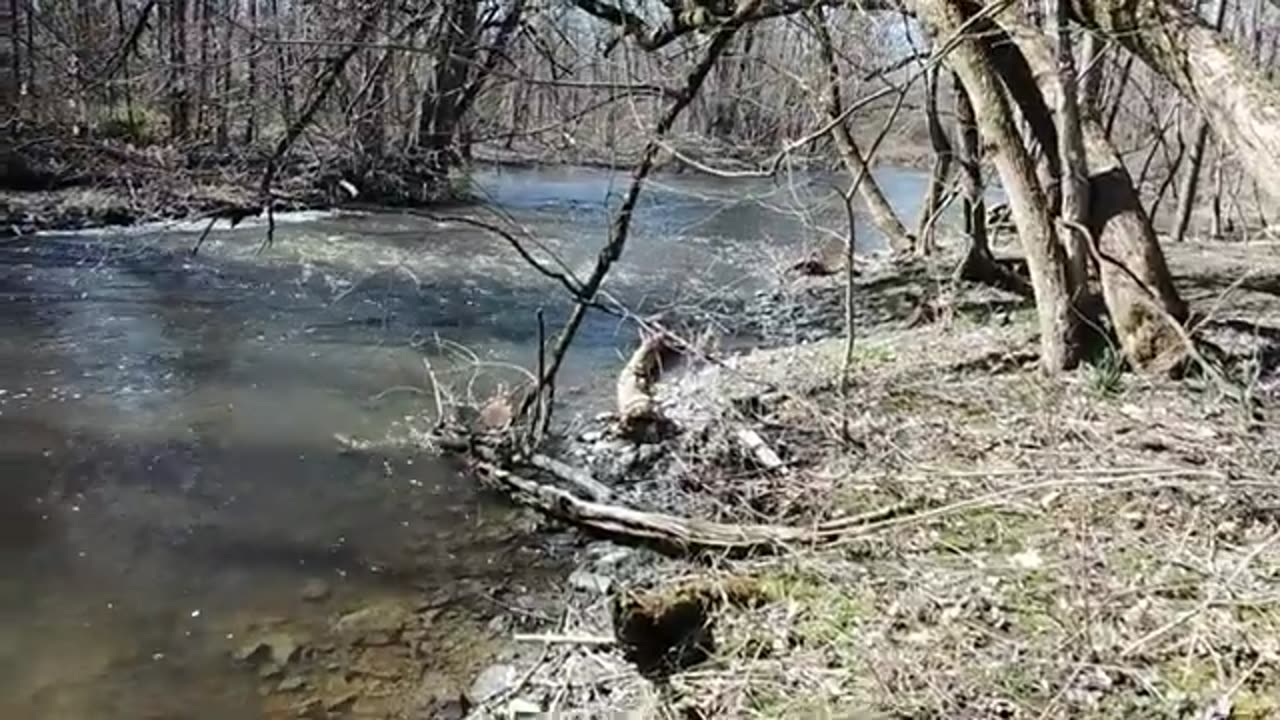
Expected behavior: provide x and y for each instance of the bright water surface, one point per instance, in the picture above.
(168, 461)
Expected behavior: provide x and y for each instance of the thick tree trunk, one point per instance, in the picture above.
(1059, 345)
(1136, 284)
(1241, 104)
(1191, 181)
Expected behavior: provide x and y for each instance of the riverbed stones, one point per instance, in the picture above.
(377, 624)
(491, 682)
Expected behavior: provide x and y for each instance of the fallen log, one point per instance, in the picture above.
(673, 531)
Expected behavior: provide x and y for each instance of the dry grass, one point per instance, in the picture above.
(1099, 546)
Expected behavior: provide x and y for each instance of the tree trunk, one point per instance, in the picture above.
(881, 212)
(10, 59)
(978, 265)
(1191, 181)
(1237, 99)
(1074, 176)
(179, 99)
(1092, 62)
(1059, 337)
(442, 102)
(1136, 284)
(941, 168)
(251, 112)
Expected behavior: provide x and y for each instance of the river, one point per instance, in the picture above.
(171, 471)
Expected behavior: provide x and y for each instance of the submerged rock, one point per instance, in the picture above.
(276, 648)
(378, 624)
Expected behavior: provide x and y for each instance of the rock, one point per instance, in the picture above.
(315, 590)
(590, 582)
(592, 436)
(277, 648)
(522, 706)
(492, 681)
(291, 683)
(378, 624)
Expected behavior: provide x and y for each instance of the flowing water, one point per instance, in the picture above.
(170, 458)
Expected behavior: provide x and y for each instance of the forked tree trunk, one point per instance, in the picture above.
(1136, 284)
(1059, 345)
(1241, 104)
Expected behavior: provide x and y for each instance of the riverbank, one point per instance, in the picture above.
(48, 184)
(1105, 545)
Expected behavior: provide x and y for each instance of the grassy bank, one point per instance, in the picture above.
(1104, 545)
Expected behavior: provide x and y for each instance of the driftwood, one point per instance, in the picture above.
(580, 479)
(637, 409)
(671, 530)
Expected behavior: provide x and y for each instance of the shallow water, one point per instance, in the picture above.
(168, 463)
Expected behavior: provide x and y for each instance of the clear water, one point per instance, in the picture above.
(168, 461)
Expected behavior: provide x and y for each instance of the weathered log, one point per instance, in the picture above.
(672, 531)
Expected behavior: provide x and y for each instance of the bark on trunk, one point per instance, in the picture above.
(1241, 104)
(1136, 284)
(1059, 347)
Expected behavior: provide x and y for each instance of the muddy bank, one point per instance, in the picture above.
(1022, 510)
